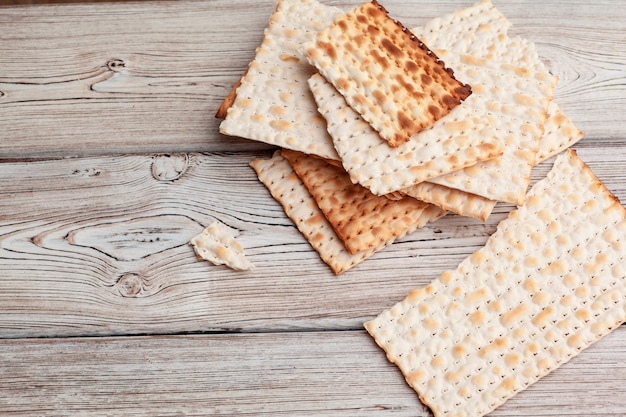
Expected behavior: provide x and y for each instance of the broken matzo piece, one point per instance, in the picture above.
(272, 102)
(361, 219)
(287, 188)
(217, 245)
(547, 284)
(385, 73)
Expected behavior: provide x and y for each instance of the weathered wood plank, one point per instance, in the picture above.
(106, 78)
(290, 374)
(100, 246)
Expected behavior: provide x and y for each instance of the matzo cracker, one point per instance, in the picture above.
(548, 283)
(217, 245)
(361, 219)
(385, 73)
(287, 188)
(273, 103)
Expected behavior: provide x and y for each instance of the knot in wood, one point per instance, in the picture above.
(169, 167)
(129, 285)
(115, 64)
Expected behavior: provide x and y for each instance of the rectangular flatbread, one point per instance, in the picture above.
(385, 73)
(272, 102)
(277, 174)
(361, 219)
(481, 30)
(547, 284)
(508, 107)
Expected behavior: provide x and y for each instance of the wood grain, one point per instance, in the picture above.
(76, 234)
(111, 160)
(100, 246)
(290, 374)
(106, 81)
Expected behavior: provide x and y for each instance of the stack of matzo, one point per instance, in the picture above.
(384, 130)
(459, 134)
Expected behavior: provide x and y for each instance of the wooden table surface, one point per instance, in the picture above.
(111, 160)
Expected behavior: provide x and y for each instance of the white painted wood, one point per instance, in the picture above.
(110, 161)
(268, 374)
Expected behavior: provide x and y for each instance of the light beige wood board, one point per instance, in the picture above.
(100, 246)
(294, 374)
(117, 77)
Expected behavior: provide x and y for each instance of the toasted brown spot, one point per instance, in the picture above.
(406, 84)
(343, 25)
(411, 66)
(391, 48)
(406, 122)
(290, 33)
(380, 97)
(477, 295)
(575, 341)
(501, 343)
(416, 295)
(426, 79)
(343, 83)
(384, 62)
(459, 351)
(450, 101)
(278, 110)
(453, 377)
(541, 318)
(289, 58)
(360, 39)
(513, 315)
(508, 384)
(434, 111)
(447, 277)
(360, 98)
(222, 252)
(315, 220)
(513, 359)
(489, 148)
(438, 362)
(478, 317)
(560, 118)
(313, 53)
(328, 48)
(318, 237)
(463, 91)
(432, 323)
(416, 376)
(281, 124)
(583, 315)
(372, 30)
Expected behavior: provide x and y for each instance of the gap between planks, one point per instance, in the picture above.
(316, 373)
